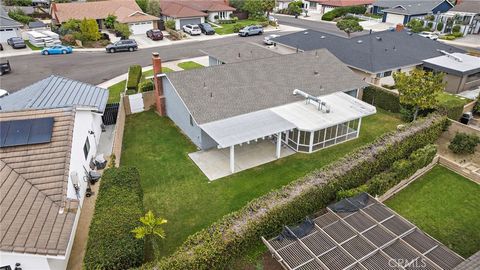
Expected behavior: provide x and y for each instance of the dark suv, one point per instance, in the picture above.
(155, 34)
(122, 45)
(206, 28)
(16, 43)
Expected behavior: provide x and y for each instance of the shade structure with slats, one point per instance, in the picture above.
(365, 236)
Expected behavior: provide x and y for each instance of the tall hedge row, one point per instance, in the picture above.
(453, 108)
(111, 245)
(341, 11)
(218, 245)
(134, 77)
(381, 98)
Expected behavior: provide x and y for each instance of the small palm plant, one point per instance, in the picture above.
(150, 229)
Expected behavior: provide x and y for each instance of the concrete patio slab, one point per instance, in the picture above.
(215, 163)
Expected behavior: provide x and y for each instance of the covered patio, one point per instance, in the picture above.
(259, 137)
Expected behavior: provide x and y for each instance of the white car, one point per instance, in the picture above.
(268, 39)
(3, 93)
(192, 29)
(428, 35)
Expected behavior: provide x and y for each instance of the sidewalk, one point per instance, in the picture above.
(470, 41)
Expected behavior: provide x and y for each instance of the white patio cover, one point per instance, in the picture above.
(246, 127)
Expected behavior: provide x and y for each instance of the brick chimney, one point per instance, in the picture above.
(399, 27)
(157, 81)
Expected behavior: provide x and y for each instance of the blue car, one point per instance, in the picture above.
(57, 49)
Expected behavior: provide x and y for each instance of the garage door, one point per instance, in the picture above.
(7, 33)
(140, 27)
(394, 18)
(190, 21)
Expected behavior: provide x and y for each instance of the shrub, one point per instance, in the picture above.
(146, 86)
(342, 194)
(440, 26)
(415, 25)
(453, 108)
(429, 25)
(264, 24)
(383, 99)
(123, 30)
(68, 39)
(110, 21)
(218, 245)
(18, 15)
(341, 11)
(457, 34)
(464, 143)
(134, 76)
(448, 37)
(237, 27)
(111, 245)
(170, 24)
(456, 28)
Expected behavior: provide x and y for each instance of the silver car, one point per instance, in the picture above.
(251, 30)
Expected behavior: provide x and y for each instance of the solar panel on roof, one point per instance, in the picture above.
(26, 131)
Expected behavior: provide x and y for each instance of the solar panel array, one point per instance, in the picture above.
(25, 132)
(372, 238)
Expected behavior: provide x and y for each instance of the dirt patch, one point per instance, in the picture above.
(267, 263)
(447, 136)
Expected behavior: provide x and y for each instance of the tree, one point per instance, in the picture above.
(154, 8)
(268, 6)
(170, 24)
(295, 8)
(349, 26)
(18, 15)
(150, 228)
(238, 4)
(415, 25)
(253, 7)
(143, 4)
(123, 30)
(110, 21)
(440, 26)
(89, 30)
(419, 89)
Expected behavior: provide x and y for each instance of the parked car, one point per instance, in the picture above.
(5, 68)
(57, 49)
(428, 35)
(122, 45)
(272, 19)
(250, 31)
(155, 34)
(268, 39)
(206, 28)
(16, 42)
(192, 29)
(3, 93)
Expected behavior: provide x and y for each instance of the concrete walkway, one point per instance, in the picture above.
(215, 163)
(469, 41)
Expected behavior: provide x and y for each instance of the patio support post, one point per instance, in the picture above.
(279, 144)
(232, 158)
(310, 146)
(358, 128)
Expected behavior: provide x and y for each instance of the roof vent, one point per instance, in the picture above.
(305, 33)
(379, 38)
(239, 55)
(315, 73)
(359, 41)
(322, 37)
(204, 85)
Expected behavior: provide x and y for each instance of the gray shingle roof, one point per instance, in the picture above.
(6, 21)
(376, 52)
(409, 8)
(425, 4)
(56, 92)
(239, 52)
(223, 91)
(472, 263)
(467, 6)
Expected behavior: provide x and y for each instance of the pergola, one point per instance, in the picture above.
(305, 126)
(360, 233)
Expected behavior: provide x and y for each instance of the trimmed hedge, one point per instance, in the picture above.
(146, 86)
(111, 245)
(341, 11)
(217, 246)
(453, 108)
(464, 143)
(383, 99)
(134, 77)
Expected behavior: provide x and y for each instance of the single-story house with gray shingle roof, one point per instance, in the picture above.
(372, 56)
(8, 26)
(238, 52)
(402, 11)
(50, 131)
(293, 98)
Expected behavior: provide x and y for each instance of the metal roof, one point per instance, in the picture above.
(239, 52)
(456, 63)
(376, 52)
(56, 92)
(370, 237)
(223, 91)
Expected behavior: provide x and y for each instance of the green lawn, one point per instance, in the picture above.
(228, 28)
(445, 97)
(116, 89)
(446, 206)
(177, 190)
(32, 47)
(189, 65)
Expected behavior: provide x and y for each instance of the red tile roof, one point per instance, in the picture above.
(192, 8)
(344, 3)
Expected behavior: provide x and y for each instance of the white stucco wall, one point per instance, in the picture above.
(27, 261)
(211, 15)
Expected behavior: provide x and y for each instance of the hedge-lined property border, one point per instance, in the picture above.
(134, 77)
(119, 205)
(218, 245)
(383, 99)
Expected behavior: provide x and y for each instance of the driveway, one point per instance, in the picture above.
(9, 51)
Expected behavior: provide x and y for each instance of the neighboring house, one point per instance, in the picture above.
(49, 133)
(8, 27)
(237, 52)
(373, 56)
(195, 11)
(282, 4)
(466, 14)
(462, 71)
(127, 11)
(323, 6)
(402, 11)
(37, 25)
(293, 98)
